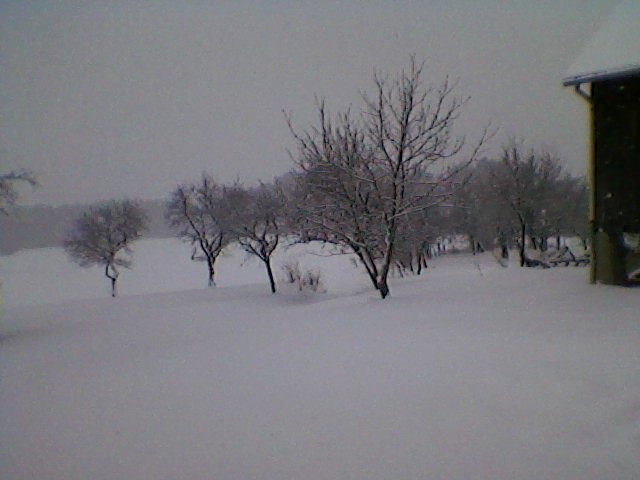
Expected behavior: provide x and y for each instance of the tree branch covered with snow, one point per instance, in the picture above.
(361, 177)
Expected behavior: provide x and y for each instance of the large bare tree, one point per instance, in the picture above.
(195, 211)
(361, 177)
(103, 236)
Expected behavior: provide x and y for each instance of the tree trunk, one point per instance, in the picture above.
(272, 281)
(534, 243)
(419, 270)
(383, 287)
(422, 262)
(523, 243)
(585, 245)
(211, 281)
(113, 277)
(369, 266)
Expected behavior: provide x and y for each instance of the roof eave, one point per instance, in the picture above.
(603, 75)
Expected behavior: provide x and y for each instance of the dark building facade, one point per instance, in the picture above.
(616, 180)
(607, 75)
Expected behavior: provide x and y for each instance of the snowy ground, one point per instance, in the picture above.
(469, 372)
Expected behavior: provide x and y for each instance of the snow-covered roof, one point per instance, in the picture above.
(614, 51)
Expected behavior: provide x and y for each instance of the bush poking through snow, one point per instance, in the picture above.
(308, 281)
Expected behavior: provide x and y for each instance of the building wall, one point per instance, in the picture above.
(616, 116)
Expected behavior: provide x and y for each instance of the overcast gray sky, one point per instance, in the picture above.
(104, 99)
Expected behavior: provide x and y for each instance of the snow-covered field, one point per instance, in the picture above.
(468, 372)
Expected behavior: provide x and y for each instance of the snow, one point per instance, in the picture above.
(46, 275)
(470, 371)
(613, 50)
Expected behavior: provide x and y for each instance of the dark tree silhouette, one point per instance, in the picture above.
(103, 236)
(196, 213)
(255, 220)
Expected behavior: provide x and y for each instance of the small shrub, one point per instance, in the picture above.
(291, 272)
(309, 280)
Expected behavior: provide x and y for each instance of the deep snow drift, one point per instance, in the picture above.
(468, 372)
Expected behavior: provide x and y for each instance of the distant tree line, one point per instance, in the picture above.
(524, 197)
(209, 216)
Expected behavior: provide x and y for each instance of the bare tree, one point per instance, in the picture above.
(196, 213)
(334, 195)
(9, 182)
(478, 212)
(255, 220)
(103, 236)
(529, 185)
(364, 176)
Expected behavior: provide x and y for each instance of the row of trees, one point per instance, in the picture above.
(381, 184)
(522, 198)
(206, 214)
(209, 216)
